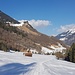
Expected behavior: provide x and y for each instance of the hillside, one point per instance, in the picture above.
(6, 18)
(40, 38)
(25, 37)
(15, 38)
(18, 39)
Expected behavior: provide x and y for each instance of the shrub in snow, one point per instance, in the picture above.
(28, 54)
(59, 55)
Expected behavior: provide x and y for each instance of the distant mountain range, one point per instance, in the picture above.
(67, 37)
(25, 37)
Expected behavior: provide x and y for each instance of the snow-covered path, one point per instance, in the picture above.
(53, 67)
(18, 64)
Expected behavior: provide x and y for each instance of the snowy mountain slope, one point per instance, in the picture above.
(54, 49)
(15, 63)
(67, 37)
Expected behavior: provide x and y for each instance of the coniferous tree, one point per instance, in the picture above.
(71, 53)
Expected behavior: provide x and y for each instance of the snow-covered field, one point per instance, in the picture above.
(15, 63)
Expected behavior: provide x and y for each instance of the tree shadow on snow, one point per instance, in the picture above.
(15, 68)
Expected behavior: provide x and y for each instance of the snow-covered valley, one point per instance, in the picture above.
(15, 63)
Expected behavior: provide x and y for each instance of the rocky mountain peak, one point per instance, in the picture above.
(67, 37)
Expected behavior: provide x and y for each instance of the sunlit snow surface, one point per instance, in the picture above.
(15, 63)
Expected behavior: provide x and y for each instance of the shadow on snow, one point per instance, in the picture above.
(15, 68)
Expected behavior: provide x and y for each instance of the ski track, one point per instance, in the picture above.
(44, 69)
(52, 68)
(18, 64)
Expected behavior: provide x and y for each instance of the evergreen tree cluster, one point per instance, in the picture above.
(70, 54)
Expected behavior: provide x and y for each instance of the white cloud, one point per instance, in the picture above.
(66, 28)
(38, 23)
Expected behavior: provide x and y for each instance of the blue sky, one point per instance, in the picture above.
(59, 13)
